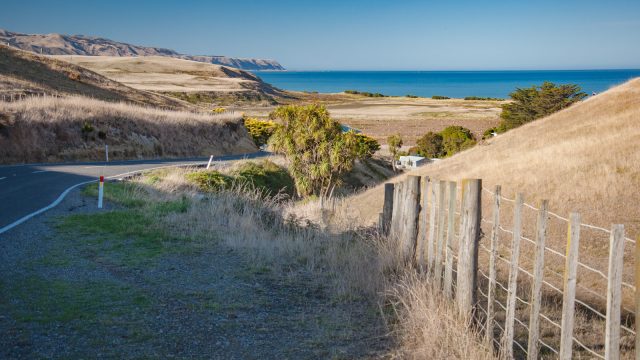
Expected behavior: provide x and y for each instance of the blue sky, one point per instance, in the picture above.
(360, 35)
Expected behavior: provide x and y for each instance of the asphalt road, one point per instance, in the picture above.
(26, 189)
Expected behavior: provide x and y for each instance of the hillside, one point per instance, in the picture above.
(77, 128)
(25, 73)
(58, 44)
(163, 74)
(584, 158)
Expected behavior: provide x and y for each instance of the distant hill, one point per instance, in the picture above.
(58, 44)
(24, 73)
(166, 74)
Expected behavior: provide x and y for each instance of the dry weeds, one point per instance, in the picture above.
(51, 129)
(354, 262)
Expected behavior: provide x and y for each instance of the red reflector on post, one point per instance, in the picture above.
(101, 178)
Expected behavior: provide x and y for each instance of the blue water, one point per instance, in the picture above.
(456, 84)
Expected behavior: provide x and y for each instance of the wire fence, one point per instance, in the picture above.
(571, 303)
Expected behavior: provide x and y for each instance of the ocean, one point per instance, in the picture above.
(455, 84)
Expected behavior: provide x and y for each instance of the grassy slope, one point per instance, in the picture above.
(582, 159)
(193, 81)
(51, 129)
(23, 72)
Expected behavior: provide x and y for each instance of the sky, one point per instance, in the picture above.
(360, 35)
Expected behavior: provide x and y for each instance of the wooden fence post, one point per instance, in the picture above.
(395, 211)
(451, 221)
(491, 287)
(569, 293)
(411, 212)
(421, 248)
(533, 347)
(507, 336)
(467, 279)
(637, 295)
(432, 227)
(442, 210)
(614, 293)
(387, 208)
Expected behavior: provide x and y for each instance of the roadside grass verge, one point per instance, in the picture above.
(355, 264)
(160, 216)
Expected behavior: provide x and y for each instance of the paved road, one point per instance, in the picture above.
(25, 189)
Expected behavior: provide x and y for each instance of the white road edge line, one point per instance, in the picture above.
(66, 192)
(39, 171)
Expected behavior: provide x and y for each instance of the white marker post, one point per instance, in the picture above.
(210, 160)
(100, 192)
(106, 152)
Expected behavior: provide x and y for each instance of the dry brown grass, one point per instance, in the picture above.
(353, 262)
(582, 159)
(22, 72)
(50, 129)
(411, 118)
(160, 73)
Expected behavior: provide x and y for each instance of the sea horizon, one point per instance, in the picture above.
(451, 83)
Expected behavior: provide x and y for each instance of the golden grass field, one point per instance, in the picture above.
(160, 73)
(409, 117)
(51, 129)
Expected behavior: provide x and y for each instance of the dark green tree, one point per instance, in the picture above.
(537, 101)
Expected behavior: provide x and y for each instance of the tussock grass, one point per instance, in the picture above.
(355, 263)
(77, 128)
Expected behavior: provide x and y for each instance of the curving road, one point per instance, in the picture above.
(27, 190)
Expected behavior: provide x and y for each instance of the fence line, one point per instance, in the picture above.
(418, 223)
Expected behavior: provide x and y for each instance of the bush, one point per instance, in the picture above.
(412, 96)
(366, 146)
(456, 139)
(440, 97)
(488, 134)
(482, 98)
(363, 93)
(430, 145)
(210, 180)
(260, 130)
(537, 101)
(266, 176)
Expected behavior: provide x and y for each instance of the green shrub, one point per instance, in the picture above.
(366, 146)
(430, 145)
(456, 139)
(266, 176)
(412, 96)
(210, 180)
(440, 97)
(482, 98)
(363, 93)
(260, 130)
(488, 134)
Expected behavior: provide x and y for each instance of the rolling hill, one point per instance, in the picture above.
(165, 74)
(58, 44)
(25, 73)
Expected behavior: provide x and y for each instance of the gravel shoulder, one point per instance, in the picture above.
(70, 290)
